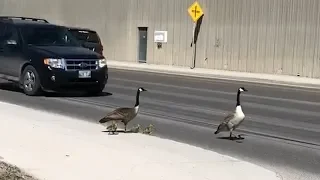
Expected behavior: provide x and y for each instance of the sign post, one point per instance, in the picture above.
(195, 12)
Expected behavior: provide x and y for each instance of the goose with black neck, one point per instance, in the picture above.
(124, 114)
(233, 120)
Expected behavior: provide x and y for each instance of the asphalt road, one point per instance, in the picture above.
(281, 130)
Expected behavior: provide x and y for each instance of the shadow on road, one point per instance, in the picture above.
(9, 86)
(75, 94)
(118, 131)
(236, 139)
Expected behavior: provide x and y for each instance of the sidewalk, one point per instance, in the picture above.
(219, 74)
(55, 147)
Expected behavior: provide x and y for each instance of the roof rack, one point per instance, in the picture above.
(23, 18)
(80, 28)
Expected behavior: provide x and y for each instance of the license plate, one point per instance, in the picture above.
(84, 74)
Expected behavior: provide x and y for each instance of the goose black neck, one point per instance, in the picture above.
(238, 98)
(137, 98)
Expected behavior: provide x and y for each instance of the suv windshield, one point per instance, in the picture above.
(47, 36)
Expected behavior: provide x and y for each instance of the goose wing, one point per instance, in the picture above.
(117, 114)
(228, 117)
(223, 126)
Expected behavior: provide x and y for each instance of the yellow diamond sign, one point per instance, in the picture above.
(195, 11)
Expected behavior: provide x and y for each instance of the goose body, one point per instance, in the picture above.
(124, 114)
(233, 120)
(237, 117)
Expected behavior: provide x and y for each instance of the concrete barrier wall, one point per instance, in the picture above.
(265, 36)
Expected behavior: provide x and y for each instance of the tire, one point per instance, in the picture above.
(30, 77)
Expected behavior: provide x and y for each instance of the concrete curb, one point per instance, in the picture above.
(271, 79)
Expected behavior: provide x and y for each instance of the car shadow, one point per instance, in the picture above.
(9, 86)
(75, 94)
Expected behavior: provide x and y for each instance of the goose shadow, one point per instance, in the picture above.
(118, 131)
(236, 139)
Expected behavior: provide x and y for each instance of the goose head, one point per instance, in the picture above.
(241, 89)
(142, 89)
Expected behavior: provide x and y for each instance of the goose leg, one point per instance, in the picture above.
(230, 137)
(114, 130)
(236, 136)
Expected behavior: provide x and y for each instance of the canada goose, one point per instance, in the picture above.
(113, 127)
(124, 114)
(233, 120)
(135, 129)
(148, 130)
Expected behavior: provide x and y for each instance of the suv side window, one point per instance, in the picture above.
(2, 30)
(11, 36)
(11, 33)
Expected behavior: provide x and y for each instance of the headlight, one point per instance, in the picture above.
(102, 62)
(55, 63)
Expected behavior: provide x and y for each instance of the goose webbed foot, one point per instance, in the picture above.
(125, 128)
(240, 137)
(233, 136)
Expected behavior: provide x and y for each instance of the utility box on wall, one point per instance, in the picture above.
(160, 37)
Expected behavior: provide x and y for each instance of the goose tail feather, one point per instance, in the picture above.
(103, 120)
(220, 128)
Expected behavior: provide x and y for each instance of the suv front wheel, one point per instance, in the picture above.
(30, 81)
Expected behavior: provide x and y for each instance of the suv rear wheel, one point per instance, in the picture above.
(30, 81)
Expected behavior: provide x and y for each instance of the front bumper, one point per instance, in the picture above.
(58, 79)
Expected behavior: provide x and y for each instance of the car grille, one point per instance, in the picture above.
(81, 64)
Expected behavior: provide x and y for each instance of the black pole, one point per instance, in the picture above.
(194, 56)
(196, 31)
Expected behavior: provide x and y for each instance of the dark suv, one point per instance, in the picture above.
(41, 56)
(88, 38)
